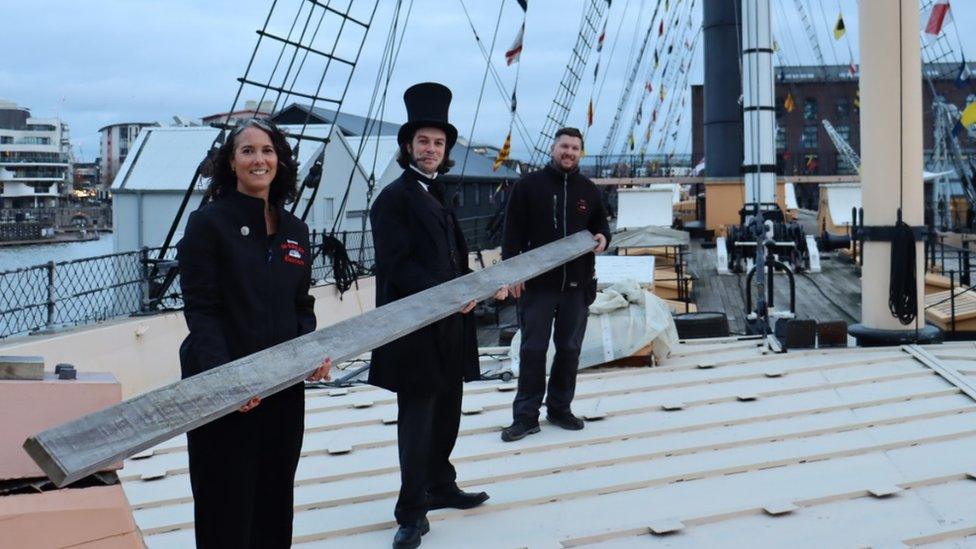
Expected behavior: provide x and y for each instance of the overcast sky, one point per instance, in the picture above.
(108, 61)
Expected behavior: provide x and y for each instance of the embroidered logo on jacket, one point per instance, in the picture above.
(293, 253)
(582, 206)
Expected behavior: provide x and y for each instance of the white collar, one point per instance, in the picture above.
(422, 184)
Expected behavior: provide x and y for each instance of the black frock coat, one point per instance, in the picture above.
(412, 236)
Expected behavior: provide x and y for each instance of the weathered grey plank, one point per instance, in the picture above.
(28, 368)
(75, 449)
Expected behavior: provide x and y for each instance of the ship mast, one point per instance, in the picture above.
(891, 174)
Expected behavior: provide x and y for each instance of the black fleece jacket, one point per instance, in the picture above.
(243, 291)
(547, 205)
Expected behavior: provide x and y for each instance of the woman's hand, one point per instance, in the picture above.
(322, 372)
(502, 293)
(251, 404)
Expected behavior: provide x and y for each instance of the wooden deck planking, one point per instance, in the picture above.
(833, 294)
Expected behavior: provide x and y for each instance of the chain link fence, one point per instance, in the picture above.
(70, 293)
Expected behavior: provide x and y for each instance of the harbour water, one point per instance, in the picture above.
(18, 257)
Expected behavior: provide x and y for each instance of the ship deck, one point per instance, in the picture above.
(726, 445)
(832, 294)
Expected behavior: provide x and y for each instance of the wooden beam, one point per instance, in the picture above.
(23, 368)
(78, 448)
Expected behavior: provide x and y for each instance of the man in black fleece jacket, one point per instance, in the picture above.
(547, 205)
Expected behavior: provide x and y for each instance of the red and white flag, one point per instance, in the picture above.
(513, 53)
(601, 38)
(937, 17)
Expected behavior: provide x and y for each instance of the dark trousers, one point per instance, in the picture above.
(242, 471)
(538, 311)
(427, 427)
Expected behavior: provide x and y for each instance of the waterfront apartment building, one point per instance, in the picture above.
(114, 143)
(35, 158)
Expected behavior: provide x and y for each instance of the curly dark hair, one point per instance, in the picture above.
(284, 187)
(404, 159)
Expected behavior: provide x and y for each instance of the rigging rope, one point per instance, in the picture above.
(481, 95)
(520, 126)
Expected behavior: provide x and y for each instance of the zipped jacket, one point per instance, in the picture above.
(547, 205)
(242, 291)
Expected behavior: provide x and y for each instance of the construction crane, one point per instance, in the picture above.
(843, 147)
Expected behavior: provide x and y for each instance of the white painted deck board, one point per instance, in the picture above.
(866, 419)
(622, 425)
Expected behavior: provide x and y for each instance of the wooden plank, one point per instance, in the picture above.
(926, 358)
(22, 368)
(78, 448)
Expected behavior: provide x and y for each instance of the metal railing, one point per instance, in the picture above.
(70, 293)
(955, 263)
(477, 233)
(636, 165)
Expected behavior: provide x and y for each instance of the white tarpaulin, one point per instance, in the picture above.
(623, 320)
(840, 200)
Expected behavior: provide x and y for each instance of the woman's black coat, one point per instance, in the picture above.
(413, 253)
(242, 292)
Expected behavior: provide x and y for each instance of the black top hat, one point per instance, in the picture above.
(427, 104)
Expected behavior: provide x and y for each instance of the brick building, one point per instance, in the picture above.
(817, 93)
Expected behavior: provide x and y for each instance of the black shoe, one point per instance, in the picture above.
(408, 537)
(566, 420)
(456, 500)
(518, 431)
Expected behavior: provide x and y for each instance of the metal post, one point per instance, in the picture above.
(144, 290)
(952, 300)
(964, 277)
(51, 297)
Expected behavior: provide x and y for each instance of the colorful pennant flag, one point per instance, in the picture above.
(514, 52)
(811, 163)
(630, 141)
(789, 104)
(514, 102)
(857, 99)
(589, 114)
(640, 113)
(660, 28)
(648, 86)
(852, 68)
(503, 153)
(969, 116)
(524, 4)
(937, 17)
(839, 28)
(601, 38)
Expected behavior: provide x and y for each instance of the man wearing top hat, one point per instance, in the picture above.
(418, 245)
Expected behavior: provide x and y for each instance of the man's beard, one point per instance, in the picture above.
(559, 165)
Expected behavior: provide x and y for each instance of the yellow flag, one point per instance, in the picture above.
(789, 104)
(839, 28)
(503, 154)
(969, 115)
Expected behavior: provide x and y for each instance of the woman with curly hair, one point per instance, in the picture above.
(245, 269)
